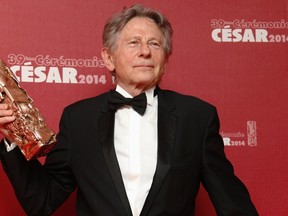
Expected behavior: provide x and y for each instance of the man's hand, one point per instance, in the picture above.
(5, 117)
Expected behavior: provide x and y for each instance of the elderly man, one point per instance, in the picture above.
(135, 150)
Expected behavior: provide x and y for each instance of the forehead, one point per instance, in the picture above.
(143, 26)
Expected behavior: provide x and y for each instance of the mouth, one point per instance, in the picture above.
(144, 66)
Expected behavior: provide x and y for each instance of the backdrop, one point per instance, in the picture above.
(232, 54)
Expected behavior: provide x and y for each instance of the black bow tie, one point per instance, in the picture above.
(138, 103)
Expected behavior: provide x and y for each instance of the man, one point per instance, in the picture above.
(131, 162)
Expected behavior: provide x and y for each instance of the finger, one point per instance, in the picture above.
(3, 106)
(6, 119)
(4, 132)
(5, 112)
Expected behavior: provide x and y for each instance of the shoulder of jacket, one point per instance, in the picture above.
(185, 98)
(86, 103)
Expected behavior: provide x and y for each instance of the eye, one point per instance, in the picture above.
(154, 44)
(133, 42)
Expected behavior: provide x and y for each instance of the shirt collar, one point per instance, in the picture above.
(149, 94)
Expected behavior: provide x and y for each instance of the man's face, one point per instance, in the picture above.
(138, 58)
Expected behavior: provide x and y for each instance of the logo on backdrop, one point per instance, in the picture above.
(249, 31)
(247, 138)
(47, 69)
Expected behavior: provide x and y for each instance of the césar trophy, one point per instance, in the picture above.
(29, 130)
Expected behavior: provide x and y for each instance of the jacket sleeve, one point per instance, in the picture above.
(41, 189)
(227, 193)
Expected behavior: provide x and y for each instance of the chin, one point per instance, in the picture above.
(147, 84)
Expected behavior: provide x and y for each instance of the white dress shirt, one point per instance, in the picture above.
(135, 140)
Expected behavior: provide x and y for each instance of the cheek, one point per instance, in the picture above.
(162, 66)
(124, 60)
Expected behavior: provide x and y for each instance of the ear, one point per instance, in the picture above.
(107, 58)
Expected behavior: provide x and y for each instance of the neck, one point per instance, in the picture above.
(135, 90)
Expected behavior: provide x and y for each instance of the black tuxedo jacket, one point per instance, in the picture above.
(190, 151)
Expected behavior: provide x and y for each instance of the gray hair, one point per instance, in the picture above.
(116, 23)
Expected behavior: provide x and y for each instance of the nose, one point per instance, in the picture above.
(145, 50)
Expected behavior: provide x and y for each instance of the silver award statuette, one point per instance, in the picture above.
(29, 130)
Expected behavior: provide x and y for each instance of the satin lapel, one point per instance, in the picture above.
(106, 125)
(167, 125)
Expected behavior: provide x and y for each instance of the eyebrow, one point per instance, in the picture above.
(140, 37)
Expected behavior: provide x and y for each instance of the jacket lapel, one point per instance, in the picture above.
(106, 125)
(167, 123)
